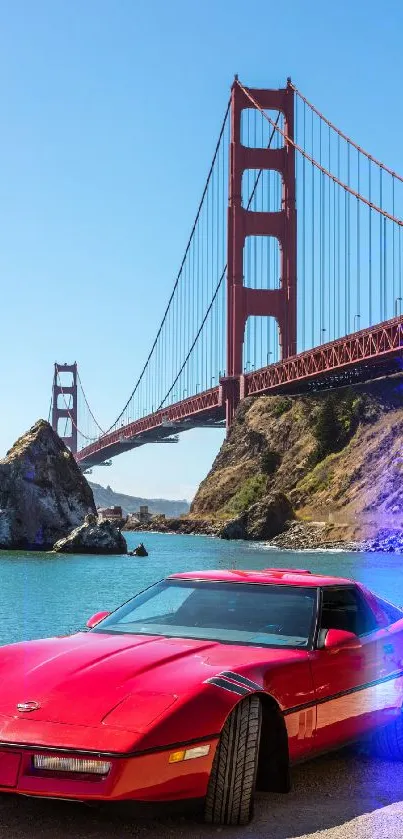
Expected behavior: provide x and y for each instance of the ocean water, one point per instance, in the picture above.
(44, 594)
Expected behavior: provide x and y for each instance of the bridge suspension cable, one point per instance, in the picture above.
(198, 263)
(350, 219)
(345, 137)
(205, 250)
(87, 405)
(223, 274)
(349, 258)
(319, 166)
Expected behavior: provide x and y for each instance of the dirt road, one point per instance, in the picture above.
(338, 797)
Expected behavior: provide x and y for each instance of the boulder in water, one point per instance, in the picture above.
(93, 537)
(139, 551)
(43, 494)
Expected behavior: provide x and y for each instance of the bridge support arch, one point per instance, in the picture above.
(63, 412)
(244, 302)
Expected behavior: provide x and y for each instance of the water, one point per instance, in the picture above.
(51, 594)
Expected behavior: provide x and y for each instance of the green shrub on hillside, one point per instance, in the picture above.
(319, 478)
(270, 461)
(336, 422)
(281, 406)
(250, 491)
(328, 429)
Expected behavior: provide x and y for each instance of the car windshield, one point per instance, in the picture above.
(234, 613)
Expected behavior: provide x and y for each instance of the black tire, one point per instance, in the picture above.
(388, 741)
(231, 788)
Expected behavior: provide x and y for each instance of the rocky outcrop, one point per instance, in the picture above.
(43, 494)
(268, 517)
(335, 458)
(235, 528)
(307, 536)
(93, 537)
(326, 537)
(261, 521)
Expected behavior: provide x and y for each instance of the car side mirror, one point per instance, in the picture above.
(97, 618)
(341, 639)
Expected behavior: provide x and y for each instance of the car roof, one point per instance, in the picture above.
(277, 576)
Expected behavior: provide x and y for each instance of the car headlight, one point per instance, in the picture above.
(72, 764)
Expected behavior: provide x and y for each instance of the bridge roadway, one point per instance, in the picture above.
(360, 356)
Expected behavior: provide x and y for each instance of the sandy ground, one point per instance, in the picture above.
(341, 796)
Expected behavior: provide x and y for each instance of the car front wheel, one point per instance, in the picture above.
(388, 742)
(232, 781)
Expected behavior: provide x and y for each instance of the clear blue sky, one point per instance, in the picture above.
(109, 114)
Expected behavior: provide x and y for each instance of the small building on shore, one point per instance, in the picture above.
(141, 517)
(144, 515)
(110, 513)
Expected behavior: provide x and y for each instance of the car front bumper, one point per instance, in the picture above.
(148, 777)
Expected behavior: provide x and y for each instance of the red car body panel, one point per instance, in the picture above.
(134, 699)
(277, 576)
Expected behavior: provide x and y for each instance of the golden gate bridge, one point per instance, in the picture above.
(288, 195)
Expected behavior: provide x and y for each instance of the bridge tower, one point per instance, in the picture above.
(60, 412)
(244, 302)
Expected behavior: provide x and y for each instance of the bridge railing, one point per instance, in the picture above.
(374, 342)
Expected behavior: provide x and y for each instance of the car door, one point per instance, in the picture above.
(395, 650)
(390, 617)
(351, 685)
(393, 620)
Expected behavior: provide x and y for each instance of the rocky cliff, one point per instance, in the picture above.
(43, 494)
(336, 456)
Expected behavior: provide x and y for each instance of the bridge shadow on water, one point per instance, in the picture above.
(341, 796)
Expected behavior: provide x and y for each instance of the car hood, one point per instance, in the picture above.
(126, 681)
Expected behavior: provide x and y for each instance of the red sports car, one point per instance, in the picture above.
(205, 686)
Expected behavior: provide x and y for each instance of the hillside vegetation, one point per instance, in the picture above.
(335, 455)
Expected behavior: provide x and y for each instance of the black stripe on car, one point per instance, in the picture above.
(227, 685)
(242, 680)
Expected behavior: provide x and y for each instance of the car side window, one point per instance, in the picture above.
(345, 608)
(390, 614)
